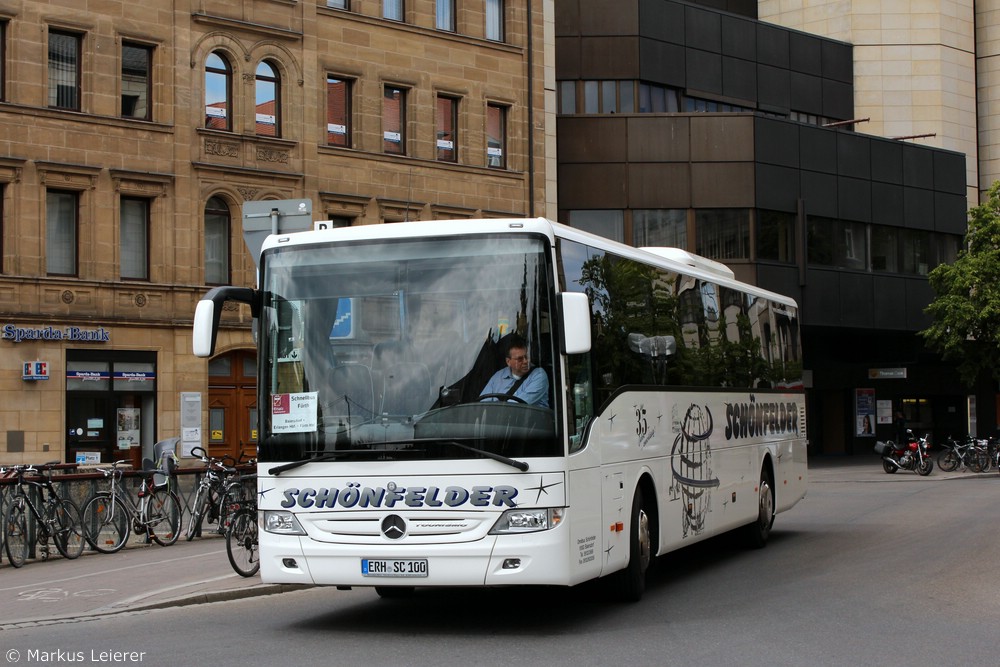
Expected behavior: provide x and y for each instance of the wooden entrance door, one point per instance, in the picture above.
(232, 405)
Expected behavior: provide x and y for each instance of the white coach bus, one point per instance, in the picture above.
(661, 403)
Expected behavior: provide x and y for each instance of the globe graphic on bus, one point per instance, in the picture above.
(691, 464)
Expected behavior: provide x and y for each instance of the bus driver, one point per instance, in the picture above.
(517, 379)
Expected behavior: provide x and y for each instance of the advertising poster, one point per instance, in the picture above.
(864, 410)
(128, 428)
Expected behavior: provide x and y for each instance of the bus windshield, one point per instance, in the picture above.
(410, 349)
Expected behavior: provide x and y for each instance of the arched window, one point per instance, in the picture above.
(217, 226)
(268, 105)
(218, 93)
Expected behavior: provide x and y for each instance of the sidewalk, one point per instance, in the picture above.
(138, 577)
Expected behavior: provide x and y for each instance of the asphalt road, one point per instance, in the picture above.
(868, 569)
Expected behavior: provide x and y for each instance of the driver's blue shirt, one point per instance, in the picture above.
(533, 391)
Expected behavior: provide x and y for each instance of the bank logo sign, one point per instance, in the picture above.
(17, 334)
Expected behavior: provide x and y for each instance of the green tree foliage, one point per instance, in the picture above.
(966, 309)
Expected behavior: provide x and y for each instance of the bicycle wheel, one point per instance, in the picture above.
(105, 523)
(948, 460)
(232, 500)
(15, 533)
(67, 529)
(241, 542)
(197, 513)
(163, 517)
(978, 461)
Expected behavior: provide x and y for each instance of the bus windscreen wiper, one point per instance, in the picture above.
(330, 456)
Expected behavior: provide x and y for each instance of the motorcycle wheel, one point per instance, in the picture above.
(924, 467)
(888, 466)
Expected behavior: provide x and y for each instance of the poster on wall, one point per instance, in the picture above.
(128, 428)
(864, 411)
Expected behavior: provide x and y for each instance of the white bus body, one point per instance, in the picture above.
(674, 411)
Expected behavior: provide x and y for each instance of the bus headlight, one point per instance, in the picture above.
(282, 522)
(528, 520)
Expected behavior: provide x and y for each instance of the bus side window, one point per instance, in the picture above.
(581, 400)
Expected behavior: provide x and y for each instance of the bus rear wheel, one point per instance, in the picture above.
(758, 531)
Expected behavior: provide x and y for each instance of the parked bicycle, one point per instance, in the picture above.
(241, 535)
(219, 491)
(49, 515)
(971, 453)
(155, 510)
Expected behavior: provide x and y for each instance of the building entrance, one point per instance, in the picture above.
(232, 405)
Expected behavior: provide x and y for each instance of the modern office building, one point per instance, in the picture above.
(132, 134)
(690, 125)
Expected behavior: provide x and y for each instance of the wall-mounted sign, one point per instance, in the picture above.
(17, 334)
(35, 370)
(88, 376)
(886, 373)
(135, 376)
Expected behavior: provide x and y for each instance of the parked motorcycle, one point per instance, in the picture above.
(914, 454)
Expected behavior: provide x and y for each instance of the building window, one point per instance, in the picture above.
(885, 249)
(447, 128)
(567, 97)
(394, 120)
(496, 136)
(61, 224)
(659, 228)
(218, 92)
(134, 238)
(268, 103)
(444, 15)
(658, 99)
(3, 60)
(837, 243)
(64, 70)
(722, 233)
(338, 112)
(217, 225)
(916, 245)
(392, 9)
(137, 78)
(607, 223)
(776, 236)
(494, 20)
(337, 4)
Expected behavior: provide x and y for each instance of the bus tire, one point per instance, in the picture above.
(630, 583)
(759, 530)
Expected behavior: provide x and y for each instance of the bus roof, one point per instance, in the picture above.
(673, 259)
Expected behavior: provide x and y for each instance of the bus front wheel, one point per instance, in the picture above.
(630, 583)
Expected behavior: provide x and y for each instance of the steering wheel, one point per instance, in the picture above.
(506, 397)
